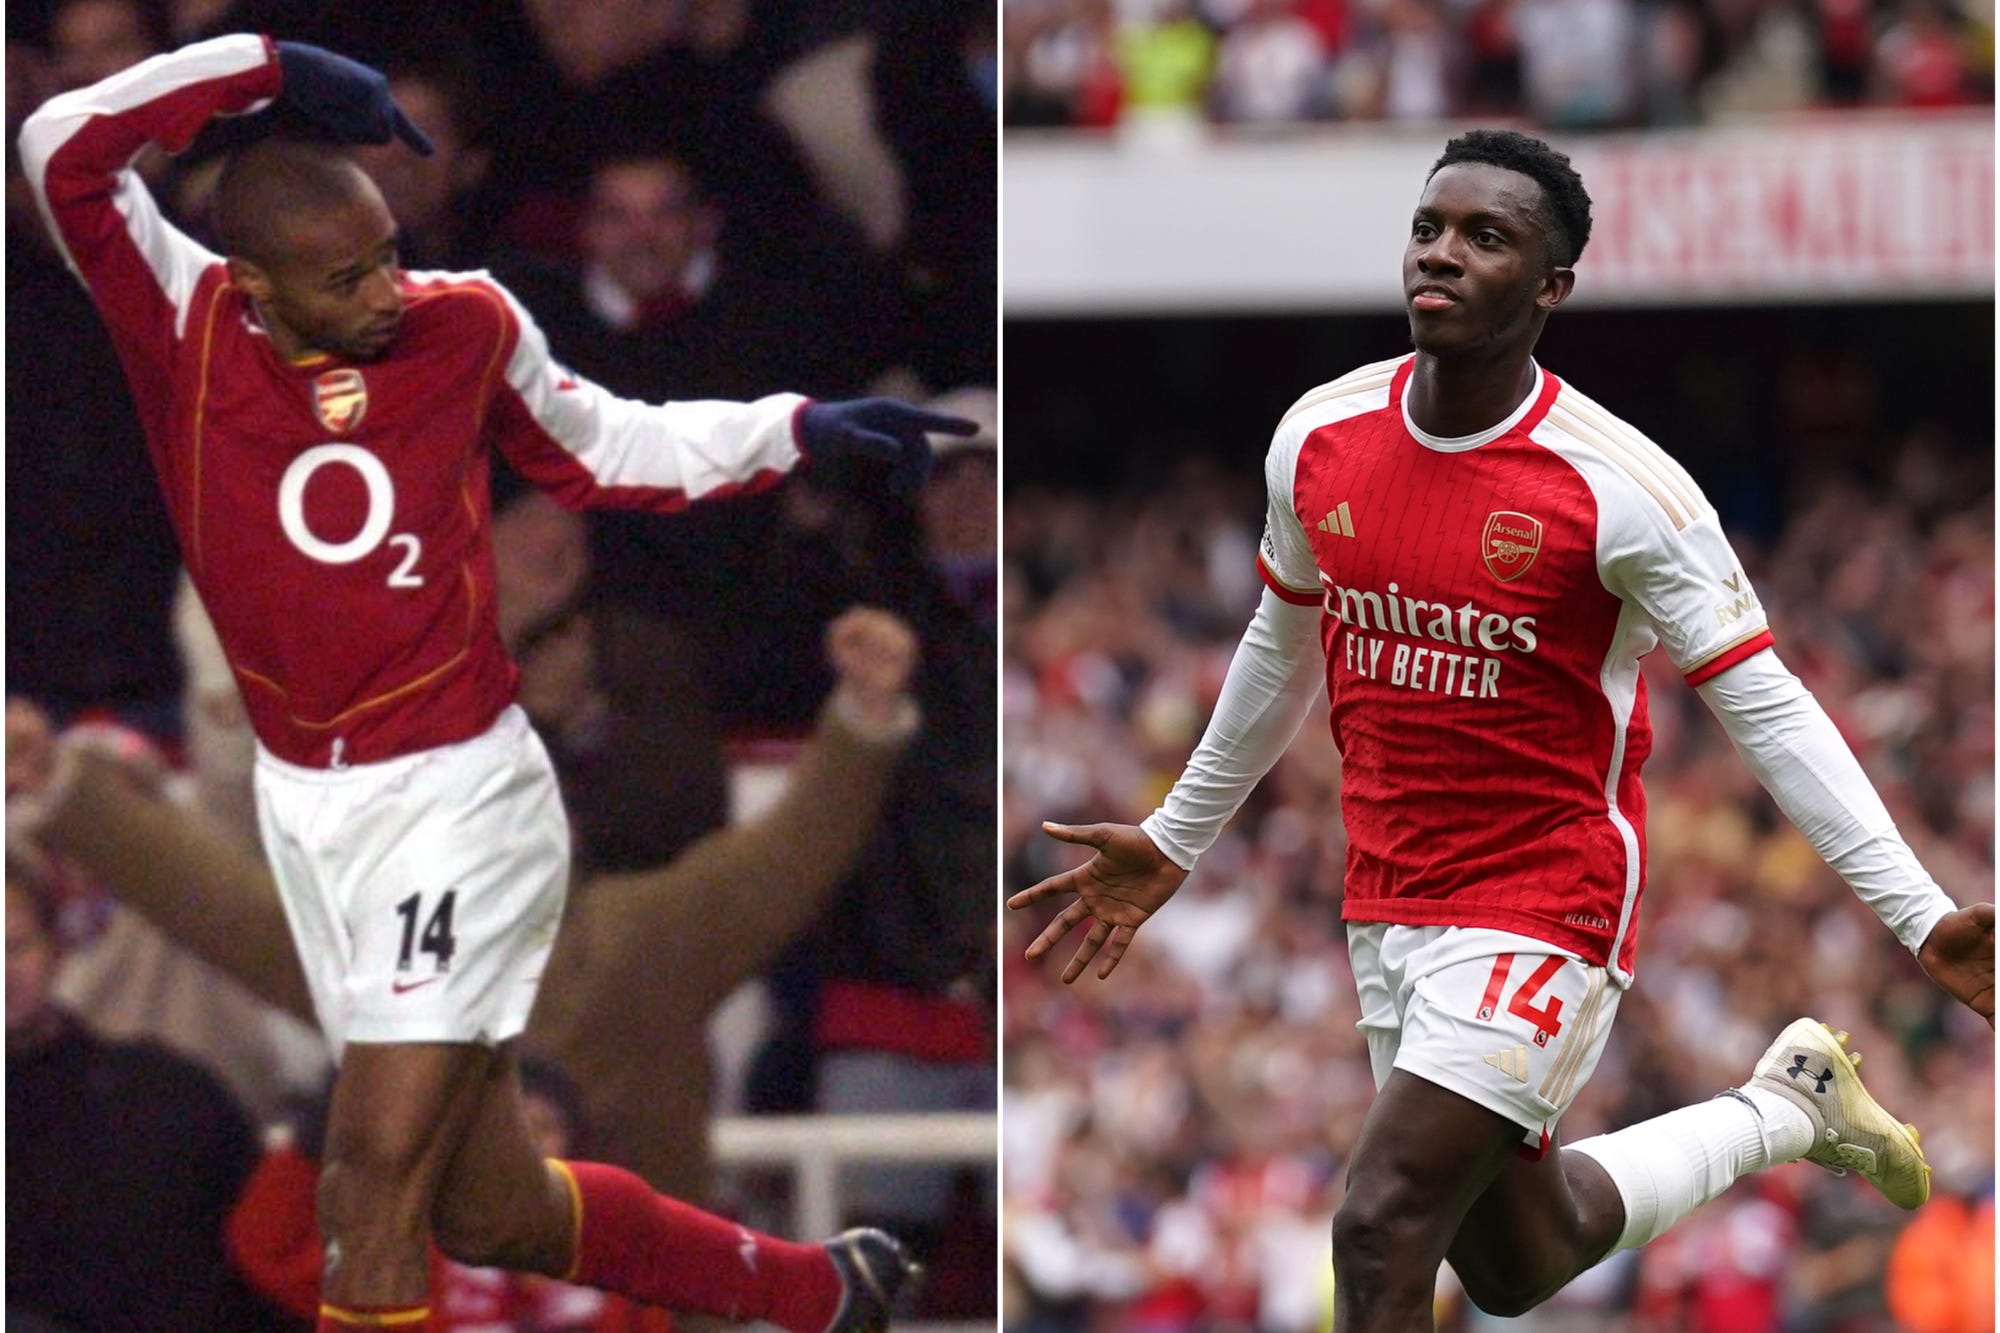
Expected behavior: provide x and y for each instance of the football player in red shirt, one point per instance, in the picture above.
(1476, 556)
(322, 422)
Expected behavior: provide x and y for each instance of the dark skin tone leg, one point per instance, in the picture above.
(398, 1115)
(1434, 1177)
(423, 1140)
(499, 1204)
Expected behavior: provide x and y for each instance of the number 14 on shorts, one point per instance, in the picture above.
(435, 937)
(1547, 1019)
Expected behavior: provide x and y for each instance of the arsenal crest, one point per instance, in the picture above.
(340, 398)
(1509, 543)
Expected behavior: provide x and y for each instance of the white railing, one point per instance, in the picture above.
(815, 1147)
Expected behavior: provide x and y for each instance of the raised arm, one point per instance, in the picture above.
(746, 890)
(77, 151)
(590, 448)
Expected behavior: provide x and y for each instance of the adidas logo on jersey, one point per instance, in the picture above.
(1514, 1062)
(1338, 521)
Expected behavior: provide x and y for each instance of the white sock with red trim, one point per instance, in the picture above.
(1668, 1166)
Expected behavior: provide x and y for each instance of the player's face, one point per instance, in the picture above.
(1475, 274)
(333, 285)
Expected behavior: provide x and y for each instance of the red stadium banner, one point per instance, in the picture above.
(1826, 209)
(1817, 207)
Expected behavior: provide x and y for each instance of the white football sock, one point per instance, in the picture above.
(1668, 1166)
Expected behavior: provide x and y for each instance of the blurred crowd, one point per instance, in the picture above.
(708, 199)
(1258, 65)
(1175, 1140)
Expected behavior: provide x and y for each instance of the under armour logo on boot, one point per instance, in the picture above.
(1820, 1079)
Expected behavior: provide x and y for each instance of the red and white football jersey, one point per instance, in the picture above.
(334, 514)
(1486, 601)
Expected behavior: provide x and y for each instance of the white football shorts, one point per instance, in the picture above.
(423, 892)
(1510, 1022)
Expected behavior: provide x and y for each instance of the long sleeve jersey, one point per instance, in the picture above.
(334, 514)
(1478, 608)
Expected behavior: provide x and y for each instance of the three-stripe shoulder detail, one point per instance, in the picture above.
(1366, 379)
(1648, 465)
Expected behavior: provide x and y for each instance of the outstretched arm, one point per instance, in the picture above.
(208, 895)
(589, 448)
(1271, 684)
(1799, 756)
(729, 902)
(1265, 696)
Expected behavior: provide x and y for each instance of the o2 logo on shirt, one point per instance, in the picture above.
(374, 528)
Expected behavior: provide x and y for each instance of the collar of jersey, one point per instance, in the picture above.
(1458, 444)
(253, 320)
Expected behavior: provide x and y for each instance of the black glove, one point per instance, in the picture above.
(343, 98)
(879, 428)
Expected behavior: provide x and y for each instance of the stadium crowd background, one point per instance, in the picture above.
(1174, 1140)
(1259, 65)
(712, 199)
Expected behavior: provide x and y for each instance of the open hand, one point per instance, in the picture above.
(1118, 889)
(1958, 956)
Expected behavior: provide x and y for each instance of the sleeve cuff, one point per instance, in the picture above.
(1172, 850)
(1719, 661)
(796, 421)
(1919, 927)
(1289, 594)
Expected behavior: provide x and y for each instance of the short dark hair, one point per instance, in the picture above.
(273, 179)
(1565, 203)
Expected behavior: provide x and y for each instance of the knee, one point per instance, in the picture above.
(1358, 1243)
(1372, 1245)
(1505, 1295)
(525, 1233)
(479, 1239)
(1508, 1280)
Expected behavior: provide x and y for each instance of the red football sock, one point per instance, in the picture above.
(664, 1252)
(345, 1319)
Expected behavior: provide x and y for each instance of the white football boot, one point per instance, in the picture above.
(1809, 1066)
